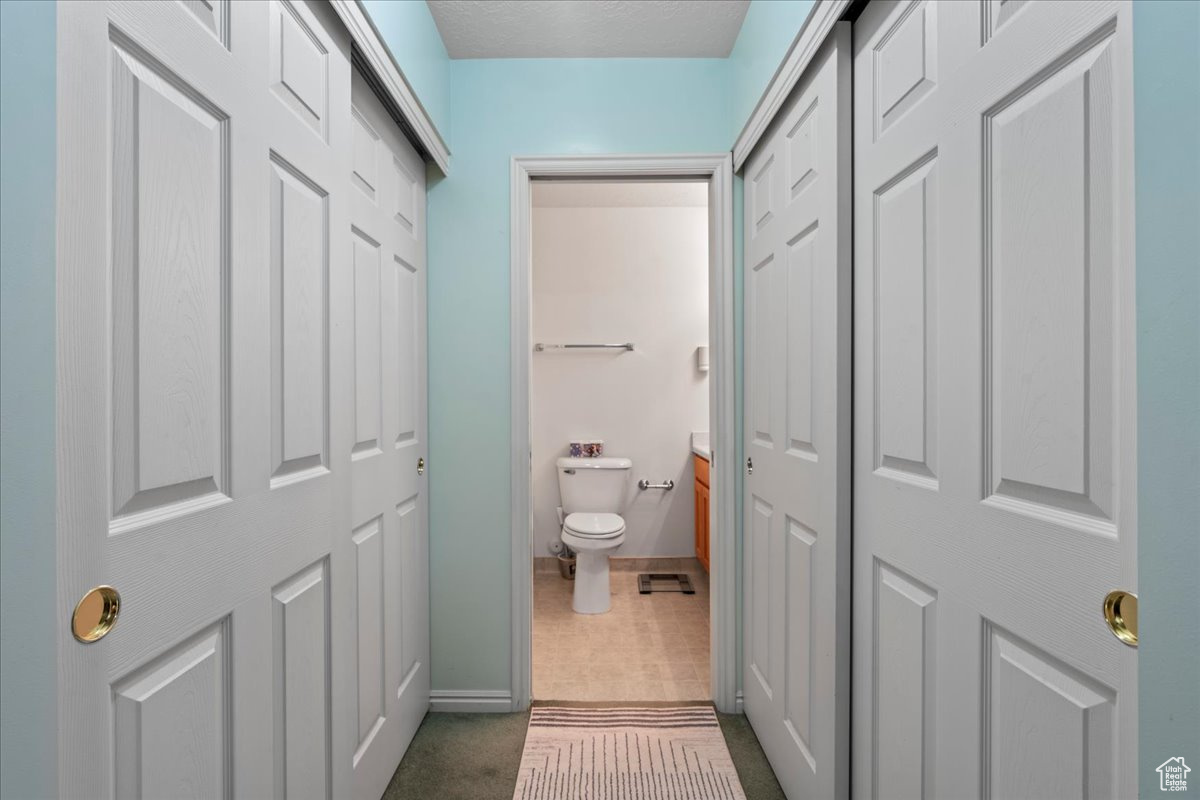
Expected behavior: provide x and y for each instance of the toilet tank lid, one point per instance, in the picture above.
(594, 463)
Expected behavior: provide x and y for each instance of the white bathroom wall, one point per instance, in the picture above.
(617, 263)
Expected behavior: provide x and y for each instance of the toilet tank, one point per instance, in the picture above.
(593, 485)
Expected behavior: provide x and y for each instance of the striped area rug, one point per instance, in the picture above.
(626, 754)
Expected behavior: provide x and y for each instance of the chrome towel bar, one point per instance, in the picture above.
(644, 484)
(540, 346)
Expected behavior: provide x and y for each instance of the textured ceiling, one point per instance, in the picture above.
(618, 194)
(588, 28)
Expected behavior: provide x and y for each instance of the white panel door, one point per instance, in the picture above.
(197, 473)
(797, 432)
(207, 407)
(386, 548)
(994, 480)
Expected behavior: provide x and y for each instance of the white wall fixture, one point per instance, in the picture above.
(717, 170)
(637, 272)
(702, 363)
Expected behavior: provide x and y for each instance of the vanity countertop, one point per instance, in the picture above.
(700, 445)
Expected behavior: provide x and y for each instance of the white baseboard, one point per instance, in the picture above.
(470, 700)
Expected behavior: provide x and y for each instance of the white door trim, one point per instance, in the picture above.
(808, 41)
(468, 701)
(390, 77)
(718, 170)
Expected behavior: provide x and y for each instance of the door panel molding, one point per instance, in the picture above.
(388, 506)
(994, 399)
(796, 532)
(206, 414)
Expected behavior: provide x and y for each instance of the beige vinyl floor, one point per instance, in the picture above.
(647, 647)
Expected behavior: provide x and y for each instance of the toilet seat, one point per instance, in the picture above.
(592, 537)
(603, 545)
(594, 526)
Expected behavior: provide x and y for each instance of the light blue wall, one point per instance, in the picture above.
(767, 33)
(412, 36)
(502, 108)
(27, 567)
(1166, 60)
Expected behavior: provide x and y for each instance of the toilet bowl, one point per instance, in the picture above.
(593, 494)
(593, 537)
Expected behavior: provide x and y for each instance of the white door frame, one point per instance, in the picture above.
(717, 169)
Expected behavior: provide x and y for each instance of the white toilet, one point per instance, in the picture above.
(593, 495)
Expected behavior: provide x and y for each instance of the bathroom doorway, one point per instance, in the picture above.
(619, 407)
(622, 342)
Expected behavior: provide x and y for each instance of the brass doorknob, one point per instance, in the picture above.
(1121, 614)
(95, 614)
(420, 466)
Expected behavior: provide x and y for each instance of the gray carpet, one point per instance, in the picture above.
(476, 757)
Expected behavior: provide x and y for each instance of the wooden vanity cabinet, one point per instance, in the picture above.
(702, 531)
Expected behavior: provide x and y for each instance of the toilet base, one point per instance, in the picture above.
(592, 595)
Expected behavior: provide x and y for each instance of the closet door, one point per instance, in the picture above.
(385, 557)
(994, 469)
(797, 432)
(203, 467)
